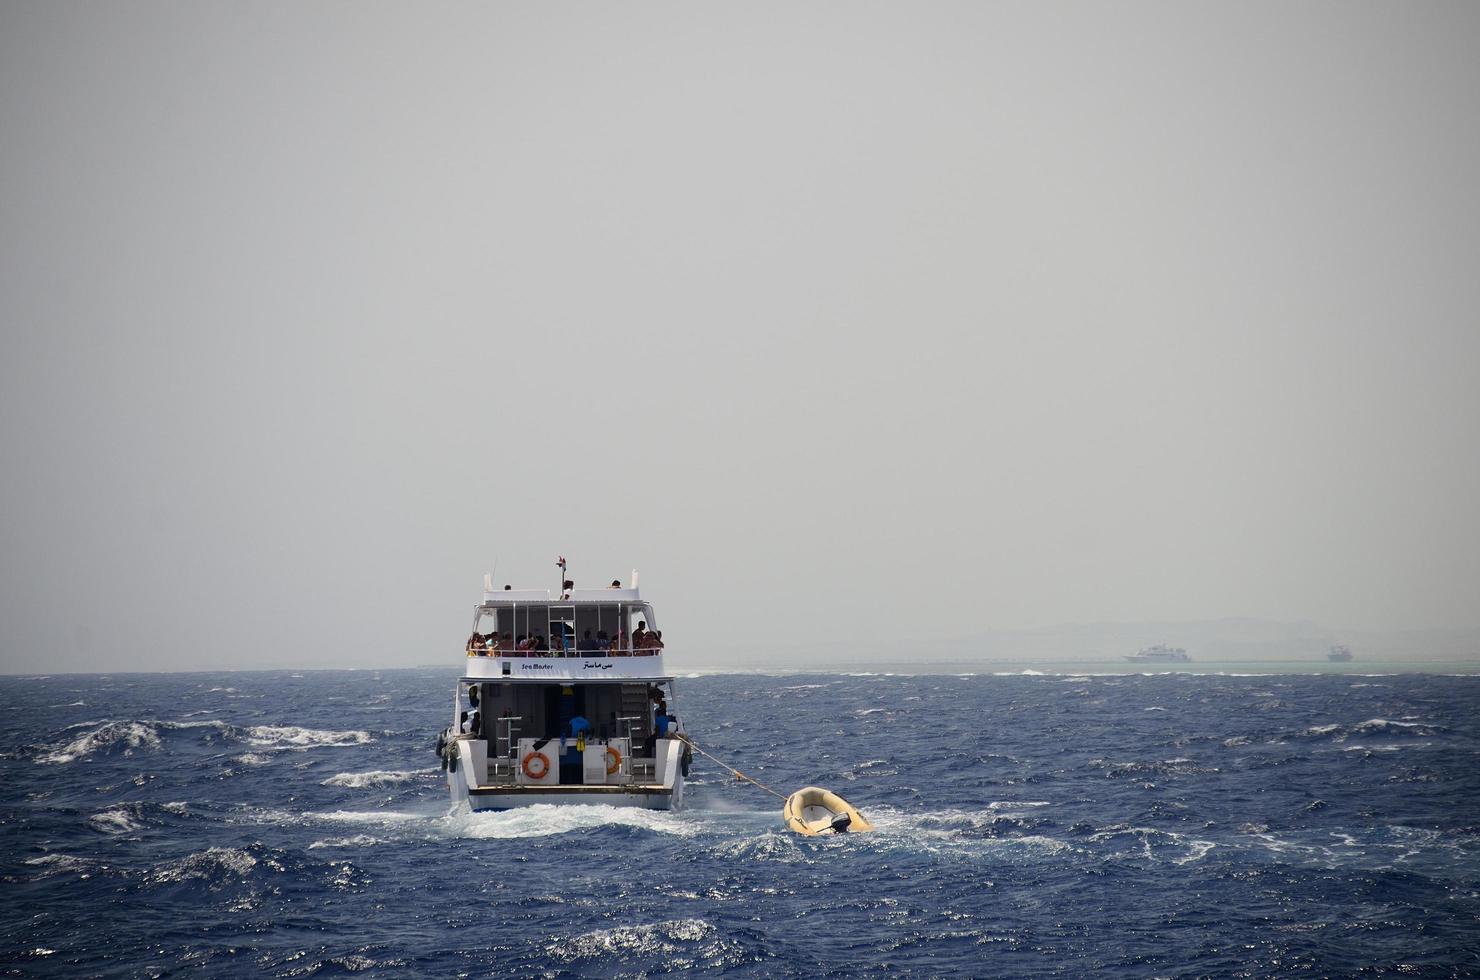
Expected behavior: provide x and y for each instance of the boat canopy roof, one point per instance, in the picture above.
(510, 597)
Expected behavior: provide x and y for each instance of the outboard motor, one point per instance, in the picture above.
(840, 823)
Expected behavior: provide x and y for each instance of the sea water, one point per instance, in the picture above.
(297, 824)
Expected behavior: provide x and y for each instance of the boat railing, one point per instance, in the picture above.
(499, 653)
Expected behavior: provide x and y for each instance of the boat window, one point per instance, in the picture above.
(596, 620)
(562, 635)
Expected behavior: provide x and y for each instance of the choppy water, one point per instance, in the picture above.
(297, 825)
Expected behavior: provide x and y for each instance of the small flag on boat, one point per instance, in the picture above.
(560, 560)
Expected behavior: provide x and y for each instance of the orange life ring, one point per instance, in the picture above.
(536, 761)
(613, 760)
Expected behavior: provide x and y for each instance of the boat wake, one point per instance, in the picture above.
(543, 820)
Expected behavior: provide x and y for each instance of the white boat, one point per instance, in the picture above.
(560, 703)
(1159, 654)
(1339, 654)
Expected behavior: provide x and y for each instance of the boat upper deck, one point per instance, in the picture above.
(587, 635)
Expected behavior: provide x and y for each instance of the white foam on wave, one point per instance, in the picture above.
(544, 820)
(207, 864)
(354, 840)
(374, 779)
(382, 817)
(55, 864)
(1382, 724)
(670, 939)
(1155, 845)
(294, 737)
(114, 820)
(252, 759)
(130, 734)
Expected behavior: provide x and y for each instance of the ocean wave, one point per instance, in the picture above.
(354, 840)
(53, 864)
(681, 944)
(214, 865)
(107, 736)
(295, 737)
(116, 820)
(252, 759)
(1382, 726)
(375, 779)
(771, 846)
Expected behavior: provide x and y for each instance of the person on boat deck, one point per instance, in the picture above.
(639, 636)
(495, 648)
(540, 645)
(565, 589)
(472, 724)
(662, 724)
(476, 645)
(587, 644)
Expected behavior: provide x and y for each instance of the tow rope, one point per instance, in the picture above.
(738, 774)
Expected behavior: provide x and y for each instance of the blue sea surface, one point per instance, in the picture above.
(297, 825)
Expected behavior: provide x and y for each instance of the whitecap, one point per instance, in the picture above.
(668, 939)
(252, 759)
(208, 864)
(130, 734)
(375, 779)
(356, 840)
(114, 820)
(367, 816)
(294, 737)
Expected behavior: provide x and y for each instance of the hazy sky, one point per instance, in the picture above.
(836, 320)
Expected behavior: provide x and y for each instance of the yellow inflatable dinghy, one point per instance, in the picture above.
(814, 810)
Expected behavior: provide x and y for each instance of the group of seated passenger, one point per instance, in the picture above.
(644, 642)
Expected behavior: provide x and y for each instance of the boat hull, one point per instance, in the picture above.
(465, 783)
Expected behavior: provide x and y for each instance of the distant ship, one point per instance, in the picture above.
(1159, 654)
(1339, 654)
